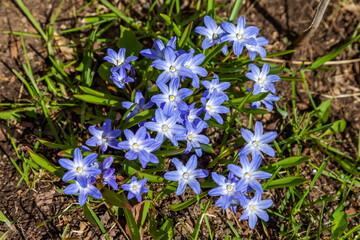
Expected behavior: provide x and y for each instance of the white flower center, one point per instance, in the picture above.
(186, 175)
(215, 36)
(247, 175)
(171, 98)
(119, 62)
(238, 36)
(190, 138)
(79, 169)
(172, 69)
(135, 145)
(164, 128)
(229, 187)
(208, 108)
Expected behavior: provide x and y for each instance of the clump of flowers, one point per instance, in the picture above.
(187, 100)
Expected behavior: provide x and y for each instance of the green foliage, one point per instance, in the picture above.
(62, 98)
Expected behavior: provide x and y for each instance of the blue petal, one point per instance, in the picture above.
(181, 187)
(172, 176)
(218, 178)
(192, 163)
(66, 163)
(72, 189)
(195, 185)
(69, 176)
(267, 149)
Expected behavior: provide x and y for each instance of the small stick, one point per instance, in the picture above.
(309, 32)
(339, 62)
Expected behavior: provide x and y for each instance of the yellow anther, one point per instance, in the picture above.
(238, 36)
(165, 128)
(79, 169)
(135, 187)
(252, 208)
(171, 97)
(255, 143)
(119, 62)
(247, 175)
(186, 175)
(229, 188)
(172, 69)
(135, 145)
(215, 36)
(104, 139)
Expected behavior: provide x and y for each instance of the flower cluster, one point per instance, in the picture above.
(119, 72)
(86, 171)
(181, 121)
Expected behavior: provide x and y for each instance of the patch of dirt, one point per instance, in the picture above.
(281, 21)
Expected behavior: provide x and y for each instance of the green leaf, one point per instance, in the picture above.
(93, 218)
(250, 99)
(197, 227)
(172, 25)
(235, 10)
(115, 199)
(213, 53)
(186, 34)
(44, 163)
(291, 161)
(54, 145)
(134, 229)
(285, 182)
(104, 71)
(321, 60)
(253, 111)
(337, 126)
(183, 205)
(97, 100)
(140, 117)
(324, 110)
(339, 224)
(129, 41)
(14, 113)
(100, 94)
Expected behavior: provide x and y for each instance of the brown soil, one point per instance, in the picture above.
(281, 21)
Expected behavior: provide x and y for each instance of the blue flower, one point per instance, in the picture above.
(253, 49)
(165, 127)
(191, 114)
(257, 142)
(213, 108)
(186, 175)
(230, 189)
(158, 52)
(213, 34)
(120, 77)
(103, 137)
(107, 175)
(254, 209)
(215, 85)
(80, 168)
(263, 81)
(249, 172)
(136, 188)
(192, 63)
(84, 191)
(139, 146)
(239, 35)
(118, 59)
(141, 105)
(172, 65)
(171, 98)
(267, 101)
(193, 137)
